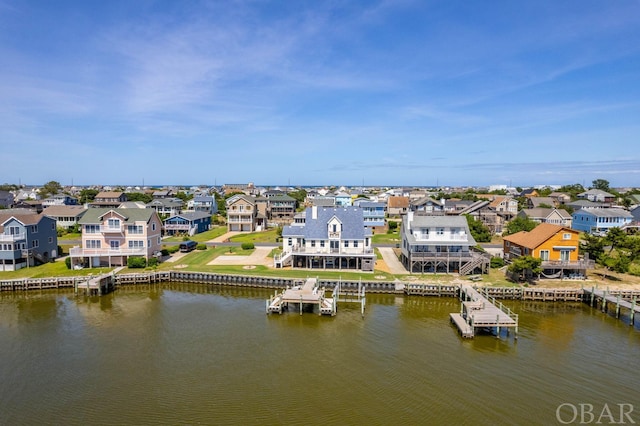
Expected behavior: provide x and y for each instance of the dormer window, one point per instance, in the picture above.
(334, 228)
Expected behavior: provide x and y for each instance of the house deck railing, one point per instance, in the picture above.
(12, 237)
(80, 252)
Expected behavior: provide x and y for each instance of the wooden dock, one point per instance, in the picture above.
(302, 293)
(480, 311)
(618, 298)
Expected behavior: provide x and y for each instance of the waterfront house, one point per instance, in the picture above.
(328, 238)
(26, 239)
(547, 215)
(111, 236)
(187, 223)
(557, 247)
(66, 217)
(599, 221)
(439, 244)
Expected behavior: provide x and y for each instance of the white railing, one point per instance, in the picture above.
(107, 228)
(80, 252)
(174, 226)
(12, 237)
(328, 250)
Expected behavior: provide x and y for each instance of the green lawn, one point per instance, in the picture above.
(201, 237)
(256, 237)
(70, 236)
(56, 269)
(393, 238)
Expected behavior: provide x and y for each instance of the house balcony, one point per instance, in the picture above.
(324, 251)
(177, 227)
(442, 238)
(566, 264)
(427, 255)
(11, 238)
(102, 252)
(112, 229)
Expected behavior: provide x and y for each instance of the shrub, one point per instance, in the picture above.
(393, 225)
(60, 251)
(248, 246)
(185, 238)
(172, 249)
(153, 262)
(67, 262)
(634, 269)
(164, 252)
(201, 246)
(497, 262)
(136, 262)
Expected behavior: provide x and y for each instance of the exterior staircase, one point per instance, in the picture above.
(479, 260)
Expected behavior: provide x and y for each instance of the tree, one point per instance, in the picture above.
(592, 245)
(184, 196)
(478, 230)
(299, 195)
(50, 188)
(88, 195)
(601, 184)
(139, 196)
(615, 238)
(525, 267)
(520, 224)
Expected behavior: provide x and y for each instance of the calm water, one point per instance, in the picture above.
(208, 355)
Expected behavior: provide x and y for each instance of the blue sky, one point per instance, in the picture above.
(395, 92)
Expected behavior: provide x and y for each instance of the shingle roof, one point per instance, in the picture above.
(420, 221)
(398, 202)
(613, 212)
(93, 216)
(351, 218)
(70, 211)
(190, 216)
(537, 235)
(25, 219)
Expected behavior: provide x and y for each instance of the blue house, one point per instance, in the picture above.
(26, 240)
(599, 221)
(373, 212)
(187, 223)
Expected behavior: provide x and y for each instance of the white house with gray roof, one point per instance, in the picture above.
(328, 238)
(440, 244)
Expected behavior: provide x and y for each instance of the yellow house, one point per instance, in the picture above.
(557, 247)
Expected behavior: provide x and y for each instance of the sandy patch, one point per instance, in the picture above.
(258, 257)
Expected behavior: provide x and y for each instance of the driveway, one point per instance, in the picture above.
(389, 257)
(258, 257)
(224, 237)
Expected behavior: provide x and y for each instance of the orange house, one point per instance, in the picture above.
(557, 247)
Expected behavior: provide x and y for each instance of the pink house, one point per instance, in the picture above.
(110, 236)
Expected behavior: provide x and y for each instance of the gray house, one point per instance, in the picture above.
(26, 240)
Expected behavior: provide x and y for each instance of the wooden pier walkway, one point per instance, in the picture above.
(617, 298)
(302, 293)
(482, 311)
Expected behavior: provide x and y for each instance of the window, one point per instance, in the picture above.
(346, 243)
(136, 244)
(115, 245)
(34, 228)
(113, 223)
(355, 244)
(440, 231)
(566, 236)
(153, 226)
(322, 243)
(35, 243)
(50, 240)
(334, 228)
(92, 229)
(93, 244)
(14, 230)
(53, 226)
(544, 255)
(159, 240)
(135, 229)
(289, 242)
(313, 243)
